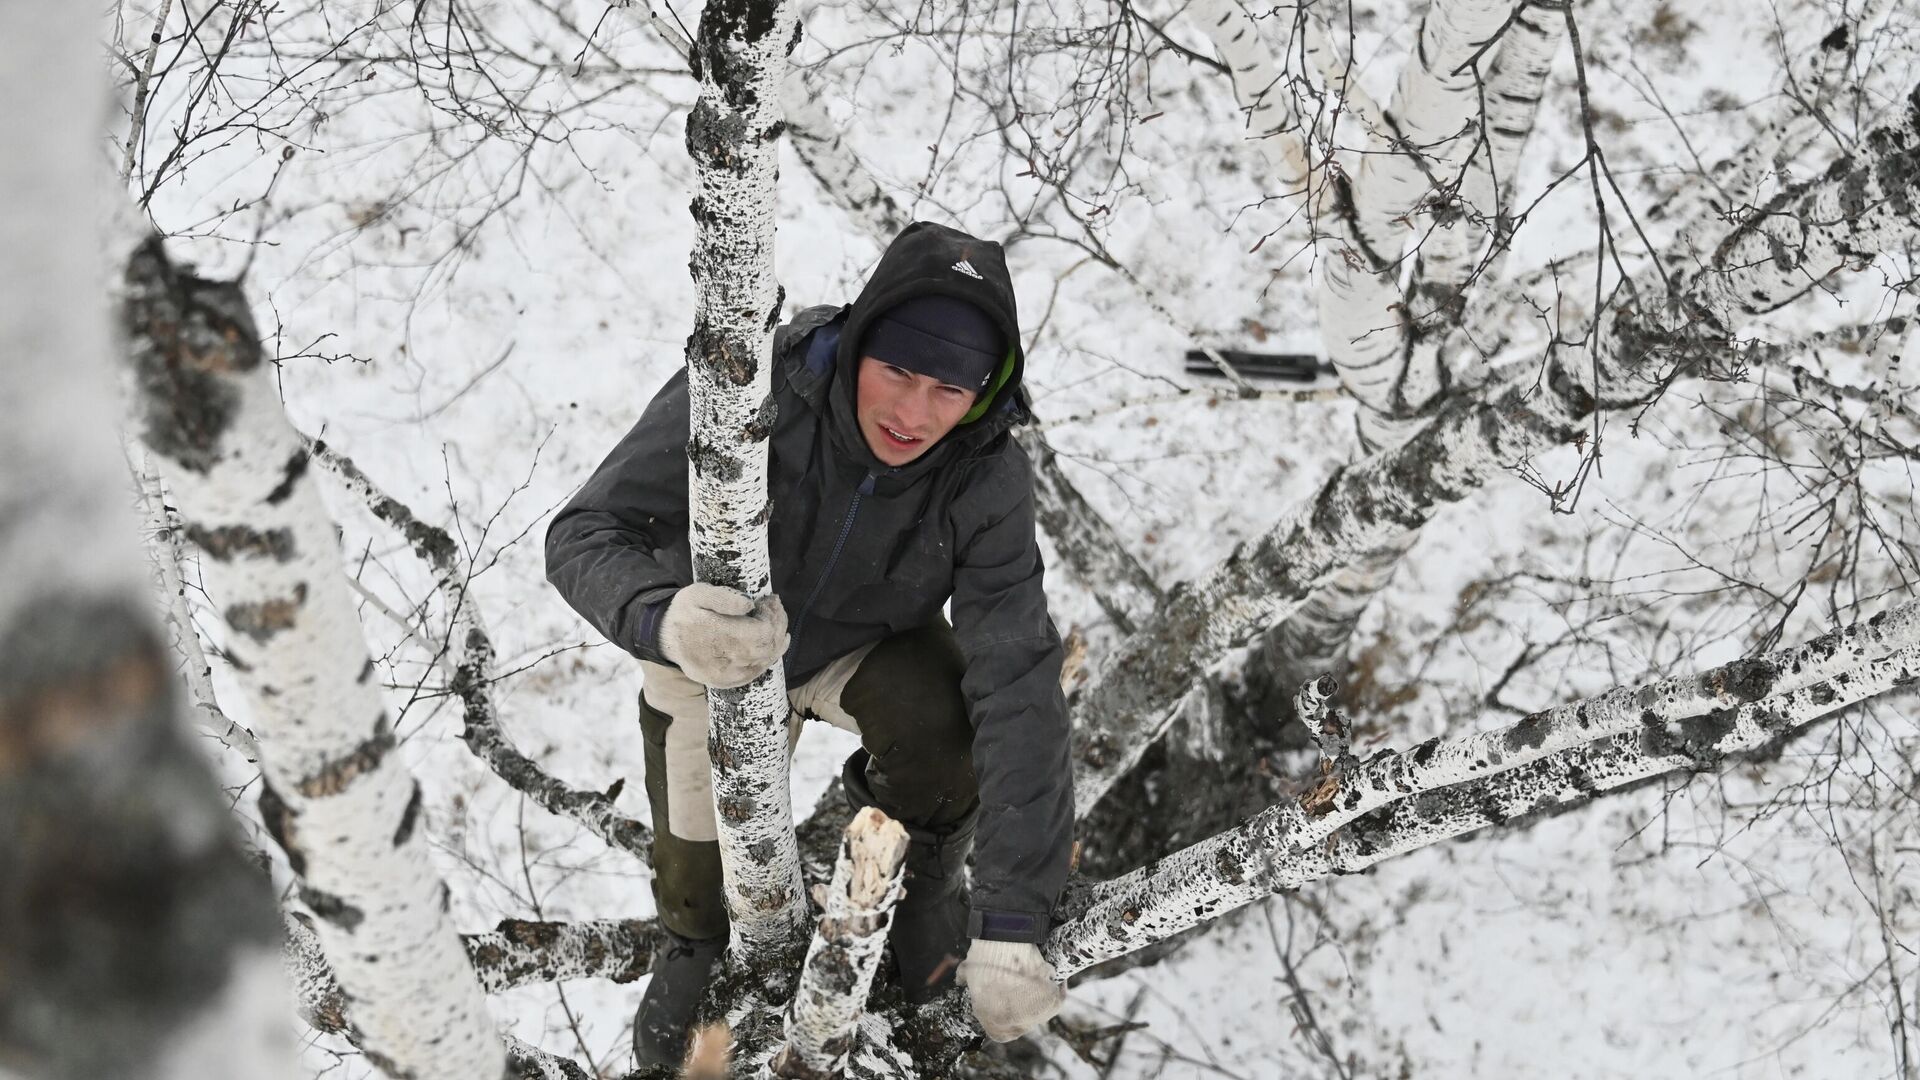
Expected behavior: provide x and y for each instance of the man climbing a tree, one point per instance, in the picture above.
(895, 488)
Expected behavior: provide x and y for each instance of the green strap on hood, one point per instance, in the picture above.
(992, 391)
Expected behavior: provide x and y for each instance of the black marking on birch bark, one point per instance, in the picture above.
(123, 897)
(366, 672)
(378, 1060)
(184, 336)
(76, 669)
(1746, 679)
(262, 619)
(736, 808)
(408, 817)
(290, 474)
(717, 567)
(1228, 865)
(1530, 733)
(725, 21)
(715, 136)
(331, 908)
(1836, 40)
(365, 758)
(279, 818)
(760, 428)
(713, 462)
(228, 542)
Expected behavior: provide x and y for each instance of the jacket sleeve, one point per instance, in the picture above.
(618, 550)
(1019, 714)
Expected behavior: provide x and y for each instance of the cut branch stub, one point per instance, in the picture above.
(858, 907)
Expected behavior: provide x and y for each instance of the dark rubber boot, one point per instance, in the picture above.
(929, 932)
(680, 972)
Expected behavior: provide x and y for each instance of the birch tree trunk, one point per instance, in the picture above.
(336, 797)
(732, 135)
(1314, 639)
(136, 937)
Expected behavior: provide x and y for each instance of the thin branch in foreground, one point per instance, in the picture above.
(471, 662)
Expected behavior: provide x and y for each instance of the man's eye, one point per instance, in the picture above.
(900, 371)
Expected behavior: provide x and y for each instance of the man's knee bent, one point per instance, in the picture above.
(913, 720)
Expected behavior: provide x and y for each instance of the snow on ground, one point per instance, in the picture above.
(477, 354)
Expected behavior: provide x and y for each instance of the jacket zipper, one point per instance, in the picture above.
(846, 529)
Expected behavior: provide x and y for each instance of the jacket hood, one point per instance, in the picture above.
(929, 259)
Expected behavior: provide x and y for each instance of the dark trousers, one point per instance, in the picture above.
(903, 697)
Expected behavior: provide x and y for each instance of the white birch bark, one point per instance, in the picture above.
(136, 938)
(1442, 788)
(1314, 638)
(845, 952)
(1865, 203)
(732, 134)
(162, 529)
(338, 799)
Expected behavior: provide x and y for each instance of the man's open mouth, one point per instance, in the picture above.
(903, 440)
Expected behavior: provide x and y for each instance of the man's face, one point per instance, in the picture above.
(902, 413)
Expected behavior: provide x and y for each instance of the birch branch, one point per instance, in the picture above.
(324, 1007)
(838, 973)
(469, 661)
(1431, 119)
(1549, 758)
(515, 953)
(732, 135)
(1862, 204)
(337, 798)
(1314, 638)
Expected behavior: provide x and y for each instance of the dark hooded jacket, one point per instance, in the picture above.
(861, 551)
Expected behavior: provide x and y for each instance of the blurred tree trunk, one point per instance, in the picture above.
(136, 937)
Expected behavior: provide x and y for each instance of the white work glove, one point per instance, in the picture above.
(1014, 989)
(720, 637)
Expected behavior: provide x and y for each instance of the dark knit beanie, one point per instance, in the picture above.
(940, 337)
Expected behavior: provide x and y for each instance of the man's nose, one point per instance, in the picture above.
(914, 407)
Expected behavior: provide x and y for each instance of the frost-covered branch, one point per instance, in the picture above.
(1397, 801)
(471, 664)
(337, 797)
(841, 961)
(732, 135)
(1863, 204)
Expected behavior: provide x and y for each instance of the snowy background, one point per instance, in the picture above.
(474, 287)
